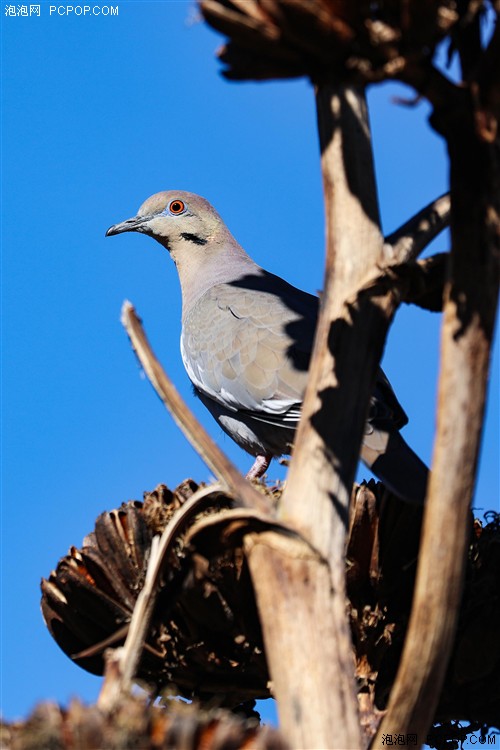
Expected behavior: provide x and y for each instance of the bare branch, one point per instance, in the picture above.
(411, 239)
(470, 306)
(310, 605)
(351, 329)
(215, 459)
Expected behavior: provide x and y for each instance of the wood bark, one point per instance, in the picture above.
(351, 328)
(302, 602)
(466, 337)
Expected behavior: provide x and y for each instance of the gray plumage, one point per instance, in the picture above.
(246, 343)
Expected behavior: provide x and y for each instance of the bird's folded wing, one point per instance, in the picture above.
(248, 345)
(249, 351)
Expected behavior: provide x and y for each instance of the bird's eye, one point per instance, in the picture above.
(176, 207)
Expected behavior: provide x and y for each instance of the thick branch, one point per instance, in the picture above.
(215, 459)
(469, 314)
(350, 337)
(314, 684)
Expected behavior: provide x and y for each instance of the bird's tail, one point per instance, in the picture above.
(390, 457)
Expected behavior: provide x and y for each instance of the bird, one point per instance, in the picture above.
(246, 343)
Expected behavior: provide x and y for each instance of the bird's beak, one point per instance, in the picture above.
(130, 225)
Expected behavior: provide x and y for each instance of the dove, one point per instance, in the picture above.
(246, 343)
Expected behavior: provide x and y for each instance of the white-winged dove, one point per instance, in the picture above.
(246, 343)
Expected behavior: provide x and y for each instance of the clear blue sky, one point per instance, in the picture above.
(99, 112)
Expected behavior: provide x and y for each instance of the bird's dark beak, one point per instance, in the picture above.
(131, 225)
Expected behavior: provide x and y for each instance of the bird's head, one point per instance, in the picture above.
(202, 247)
(176, 219)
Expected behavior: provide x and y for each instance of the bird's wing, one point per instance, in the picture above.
(247, 345)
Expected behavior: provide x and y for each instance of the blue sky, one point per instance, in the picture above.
(99, 112)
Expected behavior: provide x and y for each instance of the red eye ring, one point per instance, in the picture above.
(176, 206)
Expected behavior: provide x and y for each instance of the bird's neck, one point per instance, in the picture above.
(200, 270)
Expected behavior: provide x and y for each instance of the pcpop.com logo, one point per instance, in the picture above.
(83, 10)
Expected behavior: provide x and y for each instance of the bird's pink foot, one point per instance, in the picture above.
(259, 467)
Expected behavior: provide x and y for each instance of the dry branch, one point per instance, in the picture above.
(469, 314)
(348, 341)
(302, 601)
(215, 459)
(407, 242)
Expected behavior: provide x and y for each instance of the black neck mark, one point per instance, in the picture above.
(193, 238)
